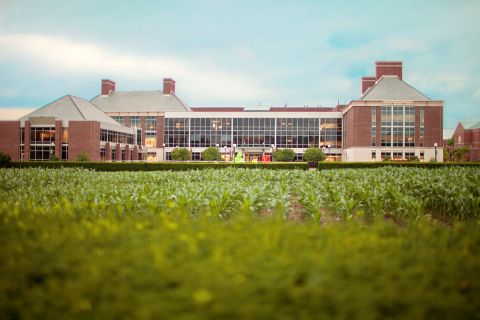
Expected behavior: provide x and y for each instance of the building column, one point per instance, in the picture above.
(127, 153)
(58, 139)
(378, 113)
(119, 152)
(108, 152)
(142, 124)
(160, 129)
(26, 142)
(417, 126)
(135, 152)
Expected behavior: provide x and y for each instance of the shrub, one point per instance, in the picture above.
(83, 157)
(182, 154)
(5, 160)
(53, 157)
(284, 155)
(211, 154)
(314, 154)
(460, 153)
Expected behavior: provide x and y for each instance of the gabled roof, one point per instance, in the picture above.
(392, 88)
(469, 125)
(139, 101)
(71, 108)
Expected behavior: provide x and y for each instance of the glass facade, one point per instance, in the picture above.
(253, 132)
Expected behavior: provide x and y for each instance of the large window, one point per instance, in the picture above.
(331, 132)
(207, 132)
(42, 135)
(41, 153)
(398, 126)
(301, 132)
(422, 126)
(254, 132)
(386, 126)
(176, 132)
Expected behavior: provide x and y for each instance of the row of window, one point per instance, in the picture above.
(397, 127)
(43, 153)
(43, 135)
(116, 137)
(396, 155)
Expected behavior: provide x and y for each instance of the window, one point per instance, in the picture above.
(176, 132)
(150, 123)
(151, 139)
(374, 155)
(119, 119)
(422, 125)
(135, 122)
(386, 155)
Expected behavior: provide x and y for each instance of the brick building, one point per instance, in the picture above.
(390, 120)
(467, 134)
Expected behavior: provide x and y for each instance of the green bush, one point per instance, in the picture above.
(181, 154)
(5, 160)
(211, 154)
(372, 165)
(314, 154)
(83, 157)
(284, 155)
(53, 157)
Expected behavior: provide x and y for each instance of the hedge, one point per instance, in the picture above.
(366, 165)
(156, 166)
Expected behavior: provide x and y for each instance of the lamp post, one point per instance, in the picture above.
(435, 145)
(225, 150)
(218, 149)
(52, 146)
(234, 155)
(164, 152)
(273, 150)
(263, 151)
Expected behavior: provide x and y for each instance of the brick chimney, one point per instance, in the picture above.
(367, 82)
(107, 86)
(168, 85)
(388, 68)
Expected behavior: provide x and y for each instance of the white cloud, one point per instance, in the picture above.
(60, 55)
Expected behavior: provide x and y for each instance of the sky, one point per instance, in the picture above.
(238, 53)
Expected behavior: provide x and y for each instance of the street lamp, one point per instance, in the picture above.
(234, 155)
(52, 145)
(225, 150)
(273, 150)
(218, 149)
(164, 152)
(435, 145)
(263, 151)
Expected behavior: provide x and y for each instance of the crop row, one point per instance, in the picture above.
(404, 193)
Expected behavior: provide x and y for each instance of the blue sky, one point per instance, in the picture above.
(234, 53)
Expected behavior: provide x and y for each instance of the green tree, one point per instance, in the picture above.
(83, 157)
(459, 153)
(314, 154)
(211, 154)
(182, 154)
(284, 155)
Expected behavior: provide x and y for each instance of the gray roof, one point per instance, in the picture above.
(392, 88)
(139, 101)
(471, 124)
(71, 108)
